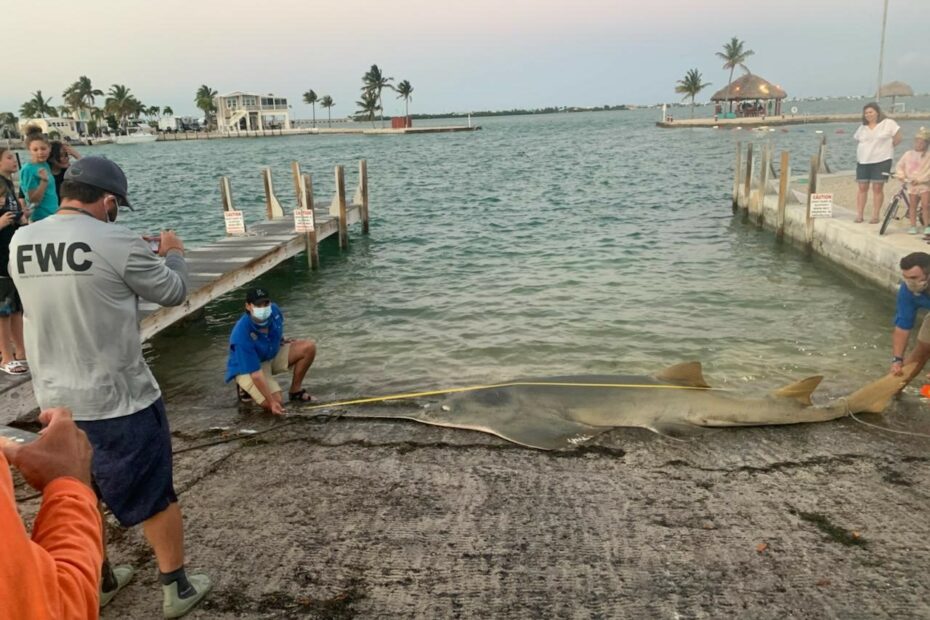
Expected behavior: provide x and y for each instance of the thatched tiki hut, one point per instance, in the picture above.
(752, 96)
(894, 90)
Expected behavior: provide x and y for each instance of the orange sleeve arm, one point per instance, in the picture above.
(68, 532)
(56, 575)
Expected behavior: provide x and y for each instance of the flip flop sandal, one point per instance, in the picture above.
(302, 396)
(12, 368)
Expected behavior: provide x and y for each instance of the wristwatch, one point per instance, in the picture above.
(897, 360)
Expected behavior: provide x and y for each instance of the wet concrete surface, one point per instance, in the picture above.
(346, 518)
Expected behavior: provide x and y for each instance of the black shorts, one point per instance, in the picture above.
(873, 173)
(132, 472)
(9, 297)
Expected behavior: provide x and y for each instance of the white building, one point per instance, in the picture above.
(56, 128)
(249, 112)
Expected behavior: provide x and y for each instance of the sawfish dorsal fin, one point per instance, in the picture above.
(800, 390)
(688, 373)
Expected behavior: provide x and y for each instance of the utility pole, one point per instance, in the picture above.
(881, 55)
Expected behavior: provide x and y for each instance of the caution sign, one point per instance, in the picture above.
(235, 222)
(821, 205)
(303, 220)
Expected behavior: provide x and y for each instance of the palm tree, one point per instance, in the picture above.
(311, 98)
(37, 107)
(97, 120)
(205, 100)
(327, 102)
(81, 96)
(690, 86)
(404, 91)
(733, 55)
(63, 111)
(168, 111)
(374, 81)
(368, 105)
(122, 104)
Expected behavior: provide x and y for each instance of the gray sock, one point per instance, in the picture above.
(108, 581)
(185, 589)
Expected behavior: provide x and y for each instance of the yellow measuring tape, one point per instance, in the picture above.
(472, 388)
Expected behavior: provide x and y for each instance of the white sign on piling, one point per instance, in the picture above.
(235, 222)
(303, 220)
(821, 205)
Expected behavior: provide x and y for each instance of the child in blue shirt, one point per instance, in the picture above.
(35, 178)
(258, 351)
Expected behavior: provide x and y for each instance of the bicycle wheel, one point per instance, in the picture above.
(890, 214)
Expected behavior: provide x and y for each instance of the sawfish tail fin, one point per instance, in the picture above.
(876, 396)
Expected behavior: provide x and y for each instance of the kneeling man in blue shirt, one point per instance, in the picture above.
(258, 351)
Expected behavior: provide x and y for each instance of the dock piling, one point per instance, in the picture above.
(313, 251)
(362, 195)
(822, 165)
(338, 207)
(783, 180)
(273, 208)
(748, 178)
(736, 175)
(226, 194)
(295, 173)
(763, 183)
(811, 190)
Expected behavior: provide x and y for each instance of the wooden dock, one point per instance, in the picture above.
(231, 262)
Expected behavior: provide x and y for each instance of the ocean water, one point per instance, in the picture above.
(590, 243)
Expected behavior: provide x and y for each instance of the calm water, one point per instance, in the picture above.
(563, 244)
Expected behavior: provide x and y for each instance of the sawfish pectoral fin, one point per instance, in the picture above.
(688, 373)
(876, 396)
(800, 390)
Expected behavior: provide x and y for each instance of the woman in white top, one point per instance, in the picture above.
(877, 137)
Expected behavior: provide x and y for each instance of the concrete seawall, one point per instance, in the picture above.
(856, 247)
(772, 121)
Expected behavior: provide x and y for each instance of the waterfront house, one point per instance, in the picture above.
(238, 111)
(55, 128)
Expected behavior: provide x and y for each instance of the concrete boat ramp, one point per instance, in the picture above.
(233, 261)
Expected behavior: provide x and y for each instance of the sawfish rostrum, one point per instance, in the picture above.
(561, 412)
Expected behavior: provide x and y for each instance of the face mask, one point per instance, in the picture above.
(915, 286)
(261, 314)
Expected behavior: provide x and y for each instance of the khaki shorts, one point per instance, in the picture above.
(269, 369)
(924, 334)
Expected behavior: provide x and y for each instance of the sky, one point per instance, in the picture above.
(459, 55)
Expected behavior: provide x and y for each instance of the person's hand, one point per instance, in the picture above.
(169, 241)
(6, 219)
(277, 408)
(43, 174)
(896, 369)
(62, 450)
(71, 152)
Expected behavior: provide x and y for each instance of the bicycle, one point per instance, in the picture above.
(893, 208)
